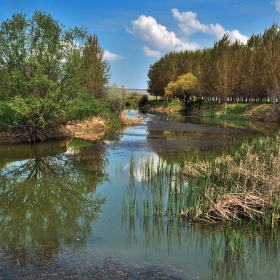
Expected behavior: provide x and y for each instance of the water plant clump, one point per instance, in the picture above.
(242, 185)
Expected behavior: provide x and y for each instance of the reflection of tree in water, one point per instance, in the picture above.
(51, 198)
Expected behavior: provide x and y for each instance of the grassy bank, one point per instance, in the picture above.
(237, 111)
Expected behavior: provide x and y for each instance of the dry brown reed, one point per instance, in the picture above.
(246, 185)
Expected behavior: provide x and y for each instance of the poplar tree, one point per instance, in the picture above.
(270, 63)
(96, 68)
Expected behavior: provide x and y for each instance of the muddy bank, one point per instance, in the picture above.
(90, 130)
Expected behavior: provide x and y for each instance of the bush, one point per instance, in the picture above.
(114, 98)
(6, 114)
(85, 107)
(143, 101)
(236, 109)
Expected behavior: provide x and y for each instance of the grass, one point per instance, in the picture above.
(163, 105)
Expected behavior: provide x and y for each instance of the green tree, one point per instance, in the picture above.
(48, 69)
(183, 87)
(96, 68)
(114, 98)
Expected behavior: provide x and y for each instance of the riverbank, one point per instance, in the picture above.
(254, 111)
(92, 129)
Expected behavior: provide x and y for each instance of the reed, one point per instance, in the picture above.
(242, 185)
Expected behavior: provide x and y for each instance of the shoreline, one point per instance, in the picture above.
(92, 130)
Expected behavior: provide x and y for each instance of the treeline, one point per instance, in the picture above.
(229, 71)
(50, 74)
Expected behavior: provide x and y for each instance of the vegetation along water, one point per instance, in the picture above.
(190, 192)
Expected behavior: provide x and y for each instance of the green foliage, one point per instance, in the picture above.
(6, 113)
(95, 67)
(182, 87)
(114, 98)
(49, 74)
(143, 101)
(230, 71)
(131, 99)
(195, 103)
(236, 109)
(209, 115)
(84, 107)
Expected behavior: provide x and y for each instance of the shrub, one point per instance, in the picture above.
(143, 101)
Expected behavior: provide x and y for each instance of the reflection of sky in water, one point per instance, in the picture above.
(138, 173)
(11, 166)
(132, 139)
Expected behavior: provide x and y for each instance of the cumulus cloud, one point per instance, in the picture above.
(156, 36)
(276, 3)
(158, 39)
(151, 53)
(189, 25)
(111, 56)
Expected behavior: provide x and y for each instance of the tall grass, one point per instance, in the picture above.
(244, 184)
(241, 188)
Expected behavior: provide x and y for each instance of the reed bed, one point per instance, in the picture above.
(245, 184)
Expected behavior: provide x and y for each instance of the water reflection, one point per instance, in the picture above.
(50, 197)
(151, 205)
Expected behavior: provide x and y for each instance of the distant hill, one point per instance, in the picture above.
(140, 91)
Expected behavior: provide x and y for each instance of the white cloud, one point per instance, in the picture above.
(276, 3)
(189, 25)
(188, 22)
(151, 53)
(111, 56)
(156, 37)
(236, 35)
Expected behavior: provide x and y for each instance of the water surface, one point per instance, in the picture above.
(71, 206)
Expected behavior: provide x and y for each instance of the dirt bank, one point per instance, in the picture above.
(90, 130)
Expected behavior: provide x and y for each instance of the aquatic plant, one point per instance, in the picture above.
(242, 185)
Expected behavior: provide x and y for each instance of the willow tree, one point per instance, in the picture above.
(41, 63)
(182, 88)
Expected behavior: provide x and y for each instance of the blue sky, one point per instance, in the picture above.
(135, 34)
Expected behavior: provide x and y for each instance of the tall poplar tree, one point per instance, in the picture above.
(270, 53)
(95, 67)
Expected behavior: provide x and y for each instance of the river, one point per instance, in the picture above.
(77, 210)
